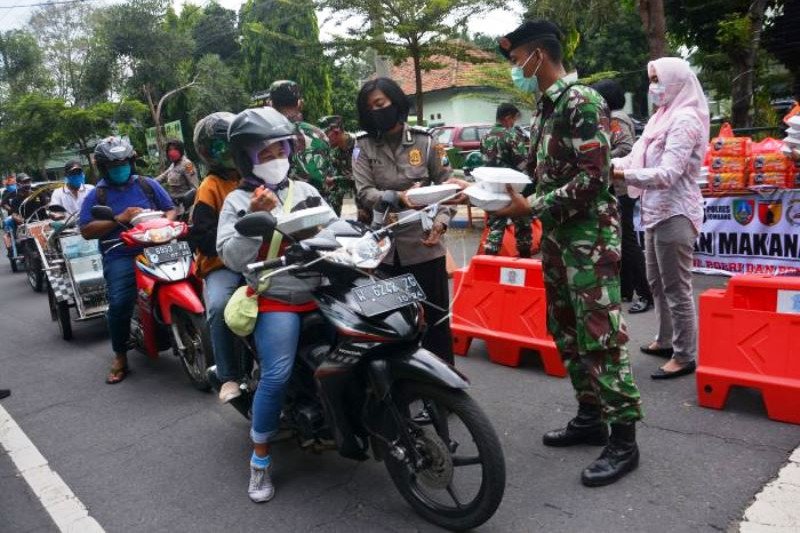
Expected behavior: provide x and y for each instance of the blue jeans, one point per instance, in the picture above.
(276, 336)
(119, 273)
(218, 287)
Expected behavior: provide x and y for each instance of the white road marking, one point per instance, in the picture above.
(66, 510)
(776, 508)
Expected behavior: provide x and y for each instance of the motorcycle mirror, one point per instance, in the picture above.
(56, 208)
(102, 212)
(256, 224)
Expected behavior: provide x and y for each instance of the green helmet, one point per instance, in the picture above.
(284, 93)
(474, 160)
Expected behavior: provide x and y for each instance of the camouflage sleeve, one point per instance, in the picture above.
(518, 150)
(590, 145)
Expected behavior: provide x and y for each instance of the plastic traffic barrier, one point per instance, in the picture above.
(750, 337)
(501, 300)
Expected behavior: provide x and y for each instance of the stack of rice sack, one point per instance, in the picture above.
(768, 165)
(728, 161)
(791, 149)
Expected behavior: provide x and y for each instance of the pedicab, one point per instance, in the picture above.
(74, 269)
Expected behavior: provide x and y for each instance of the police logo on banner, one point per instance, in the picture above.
(769, 213)
(793, 212)
(744, 211)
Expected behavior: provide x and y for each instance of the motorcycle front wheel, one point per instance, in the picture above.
(198, 354)
(456, 476)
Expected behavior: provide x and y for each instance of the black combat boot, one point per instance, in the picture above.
(618, 458)
(586, 428)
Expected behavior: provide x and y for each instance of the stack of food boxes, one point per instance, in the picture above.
(728, 163)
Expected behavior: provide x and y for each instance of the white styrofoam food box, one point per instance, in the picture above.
(432, 193)
(495, 179)
(485, 199)
(304, 219)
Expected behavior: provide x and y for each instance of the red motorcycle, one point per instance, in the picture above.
(170, 311)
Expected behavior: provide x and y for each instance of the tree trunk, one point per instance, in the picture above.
(745, 70)
(418, 85)
(155, 114)
(655, 26)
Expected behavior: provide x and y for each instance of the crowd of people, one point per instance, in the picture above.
(587, 170)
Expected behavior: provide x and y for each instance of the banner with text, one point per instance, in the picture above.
(757, 233)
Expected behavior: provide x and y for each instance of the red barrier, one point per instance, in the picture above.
(502, 301)
(750, 337)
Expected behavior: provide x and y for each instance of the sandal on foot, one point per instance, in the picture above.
(117, 375)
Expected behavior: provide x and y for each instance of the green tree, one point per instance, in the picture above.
(64, 34)
(727, 35)
(280, 40)
(29, 133)
(217, 89)
(780, 39)
(401, 30)
(215, 32)
(21, 64)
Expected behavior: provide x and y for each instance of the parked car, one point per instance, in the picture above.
(465, 137)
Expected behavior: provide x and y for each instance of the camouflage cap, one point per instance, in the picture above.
(330, 122)
(283, 93)
(531, 30)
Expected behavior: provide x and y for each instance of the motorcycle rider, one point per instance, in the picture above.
(75, 189)
(5, 204)
(211, 143)
(127, 194)
(23, 204)
(181, 175)
(261, 143)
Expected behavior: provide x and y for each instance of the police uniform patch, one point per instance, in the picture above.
(415, 157)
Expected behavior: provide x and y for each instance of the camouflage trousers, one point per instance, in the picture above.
(497, 230)
(584, 316)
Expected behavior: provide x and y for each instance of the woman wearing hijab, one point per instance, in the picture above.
(663, 167)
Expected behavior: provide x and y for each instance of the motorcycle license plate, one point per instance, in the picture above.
(388, 294)
(167, 252)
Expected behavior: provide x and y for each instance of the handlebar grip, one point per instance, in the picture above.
(265, 265)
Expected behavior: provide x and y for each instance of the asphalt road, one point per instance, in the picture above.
(153, 454)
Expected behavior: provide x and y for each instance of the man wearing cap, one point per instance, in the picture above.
(342, 145)
(311, 155)
(75, 188)
(569, 163)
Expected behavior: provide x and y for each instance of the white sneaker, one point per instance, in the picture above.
(229, 391)
(261, 488)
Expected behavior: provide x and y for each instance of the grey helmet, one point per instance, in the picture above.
(254, 127)
(211, 141)
(112, 149)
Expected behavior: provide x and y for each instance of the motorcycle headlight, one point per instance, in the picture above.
(157, 235)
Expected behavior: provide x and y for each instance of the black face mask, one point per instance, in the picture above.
(385, 118)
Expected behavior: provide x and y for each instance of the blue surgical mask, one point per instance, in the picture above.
(75, 180)
(528, 85)
(119, 175)
(11, 188)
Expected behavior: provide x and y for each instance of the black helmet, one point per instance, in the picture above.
(254, 128)
(211, 140)
(284, 93)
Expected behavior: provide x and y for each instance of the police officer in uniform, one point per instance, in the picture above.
(181, 175)
(570, 164)
(389, 159)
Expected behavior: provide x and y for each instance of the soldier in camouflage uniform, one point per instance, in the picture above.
(506, 146)
(569, 162)
(342, 145)
(311, 159)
